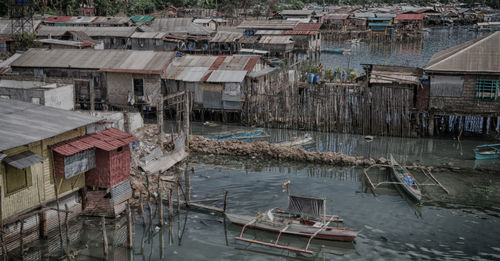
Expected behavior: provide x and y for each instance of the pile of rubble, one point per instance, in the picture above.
(267, 150)
(149, 147)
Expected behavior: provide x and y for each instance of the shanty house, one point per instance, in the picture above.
(152, 41)
(336, 21)
(276, 45)
(304, 16)
(206, 22)
(104, 156)
(216, 82)
(465, 79)
(380, 25)
(29, 189)
(225, 43)
(251, 27)
(409, 23)
(306, 37)
(112, 37)
(118, 77)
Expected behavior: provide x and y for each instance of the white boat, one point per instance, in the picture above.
(306, 139)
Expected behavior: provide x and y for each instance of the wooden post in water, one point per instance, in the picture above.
(170, 202)
(104, 238)
(159, 117)
(160, 203)
(66, 219)
(186, 116)
(187, 183)
(130, 227)
(225, 202)
(21, 239)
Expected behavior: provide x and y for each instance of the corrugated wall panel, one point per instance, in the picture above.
(212, 96)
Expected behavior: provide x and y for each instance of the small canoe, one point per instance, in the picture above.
(488, 151)
(405, 180)
(336, 51)
(306, 139)
(293, 227)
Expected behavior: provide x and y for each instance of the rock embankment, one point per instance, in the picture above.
(267, 150)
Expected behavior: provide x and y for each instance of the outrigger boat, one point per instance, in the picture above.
(405, 180)
(304, 217)
(488, 151)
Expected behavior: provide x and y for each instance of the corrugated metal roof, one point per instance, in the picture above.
(57, 19)
(142, 18)
(6, 63)
(186, 74)
(272, 39)
(181, 26)
(307, 27)
(379, 19)
(268, 24)
(393, 77)
(111, 20)
(226, 37)
(379, 24)
(269, 32)
(409, 17)
(81, 19)
(261, 72)
(148, 35)
(297, 12)
(23, 160)
(337, 16)
(109, 139)
(364, 15)
(149, 62)
(296, 32)
(64, 42)
(111, 31)
(202, 21)
(476, 56)
(23, 123)
(227, 76)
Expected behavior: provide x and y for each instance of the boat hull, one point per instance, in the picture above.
(331, 233)
(397, 173)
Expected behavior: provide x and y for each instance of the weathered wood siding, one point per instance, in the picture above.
(120, 84)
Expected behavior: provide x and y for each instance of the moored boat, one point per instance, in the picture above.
(488, 151)
(405, 180)
(239, 135)
(306, 139)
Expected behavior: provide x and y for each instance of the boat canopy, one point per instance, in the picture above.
(306, 205)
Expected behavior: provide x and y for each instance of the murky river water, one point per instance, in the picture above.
(414, 53)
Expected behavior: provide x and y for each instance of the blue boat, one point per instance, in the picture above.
(241, 135)
(488, 151)
(335, 51)
(404, 178)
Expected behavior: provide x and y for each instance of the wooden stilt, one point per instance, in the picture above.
(104, 238)
(2, 237)
(225, 202)
(21, 240)
(141, 208)
(130, 227)
(66, 223)
(170, 203)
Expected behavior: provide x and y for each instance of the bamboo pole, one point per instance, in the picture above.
(141, 208)
(225, 202)
(66, 219)
(21, 240)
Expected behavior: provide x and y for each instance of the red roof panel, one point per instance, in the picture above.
(108, 140)
(217, 63)
(409, 17)
(58, 19)
(251, 63)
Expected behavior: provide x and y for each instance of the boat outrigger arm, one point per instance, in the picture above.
(303, 250)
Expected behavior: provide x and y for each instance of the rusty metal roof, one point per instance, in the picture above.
(108, 140)
(23, 123)
(111, 20)
(179, 26)
(148, 35)
(148, 62)
(307, 27)
(297, 12)
(272, 39)
(57, 19)
(108, 31)
(227, 76)
(81, 19)
(226, 37)
(476, 56)
(409, 17)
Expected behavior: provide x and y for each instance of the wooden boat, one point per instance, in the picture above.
(488, 151)
(336, 51)
(405, 180)
(239, 135)
(306, 139)
(302, 218)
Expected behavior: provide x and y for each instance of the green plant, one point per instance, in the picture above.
(329, 75)
(23, 42)
(338, 73)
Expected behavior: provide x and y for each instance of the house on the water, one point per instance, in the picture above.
(465, 81)
(120, 78)
(29, 190)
